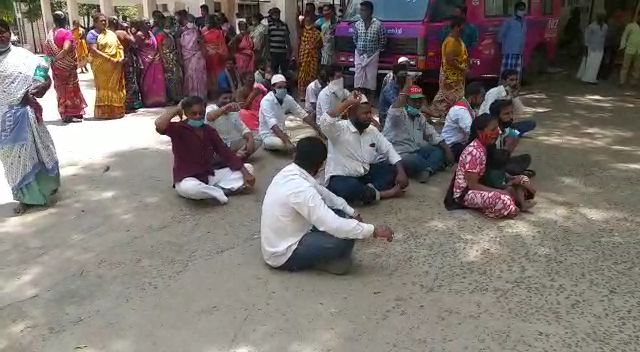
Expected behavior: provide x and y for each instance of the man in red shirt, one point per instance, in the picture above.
(195, 145)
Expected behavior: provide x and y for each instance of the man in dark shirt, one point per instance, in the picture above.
(279, 42)
(204, 12)
(195, 145)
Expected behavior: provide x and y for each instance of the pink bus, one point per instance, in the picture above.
(414, 29)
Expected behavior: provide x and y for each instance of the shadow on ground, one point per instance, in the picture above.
(122, 264)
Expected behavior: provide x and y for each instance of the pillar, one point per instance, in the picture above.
(45, 5)
(106, 7)
(72, 8)
(148, 6)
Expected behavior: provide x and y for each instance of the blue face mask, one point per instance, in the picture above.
(281, 93)
(411, 110)
(195, 123)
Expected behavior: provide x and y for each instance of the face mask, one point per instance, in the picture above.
(359, 125)
(337, 84)
(521, 13)
(487, 138)
(412, 111)
(195, 123)
(281, 93)
(506, 124)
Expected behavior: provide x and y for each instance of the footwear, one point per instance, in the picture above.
(424, 176)
(340, 266)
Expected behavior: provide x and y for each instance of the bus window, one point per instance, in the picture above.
(443, 9)
(385, 10)
(501, 8)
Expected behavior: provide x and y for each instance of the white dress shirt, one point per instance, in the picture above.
(350, 152)
(311, 96)
(229, 126)
(498, 93)
(293, 204)
(329, 99)
(457, 125)
(272, 113)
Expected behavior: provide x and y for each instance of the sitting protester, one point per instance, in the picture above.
(195, 145)
(314, 88)
(466, 189)
(264, 74)
(273, 118)
(389, 93)
(305, 226)
(509, 138)
(229, 79)
(224, 117)
(401, 66)
(457, 124)
(249, 96)
(508, 90)
(333, 94)
(422, 149)
(496, 177)
(353, 169)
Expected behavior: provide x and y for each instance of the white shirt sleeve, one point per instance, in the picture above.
(312, 207)
(290, 106)
(330, 126)
(269, 113)
(463, 119)
(385, 147)
(324, 100)
(335, 202)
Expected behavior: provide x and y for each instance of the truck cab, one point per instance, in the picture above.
(415, 29)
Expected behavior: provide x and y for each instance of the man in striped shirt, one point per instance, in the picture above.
(279, 42)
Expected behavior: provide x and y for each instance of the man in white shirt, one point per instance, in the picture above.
(313, 90)
(225, 118)
(421, 147)
(457, 124)
(509, 89)
(274, 108)
(333, 94)
(300, 227)
(353, 170)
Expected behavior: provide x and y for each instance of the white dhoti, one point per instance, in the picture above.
(223, 180)
(366, 70)
(590, 66)
(295, 128)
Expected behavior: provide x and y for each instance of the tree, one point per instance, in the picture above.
(59, 5)
(129, 12)
(6, 10)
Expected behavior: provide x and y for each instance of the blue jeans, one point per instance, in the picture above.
(353, 189)
(428, 158)
(524, 126)
(318, 247)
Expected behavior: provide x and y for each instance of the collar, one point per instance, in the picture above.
(303, 172)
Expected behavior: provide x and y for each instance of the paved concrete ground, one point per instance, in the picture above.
(121, 263)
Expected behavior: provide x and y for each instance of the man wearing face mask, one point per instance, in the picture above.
(333, 94)
(509, 138)
(314, 88)
(469, 34)
(512, 38)
(457, 124)
(195, 145)
(353, 169)
(274, 121)
(421, 147)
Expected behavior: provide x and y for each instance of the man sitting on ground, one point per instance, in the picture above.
(508, 90)
(333, 94)
(225, 118)
(273, 116)
(422, 149)
(353, 170)
(314, 88)
(195, 145)
(509, 139)
(229, 79)
(304, 225)
(457, 124)
(390, 91)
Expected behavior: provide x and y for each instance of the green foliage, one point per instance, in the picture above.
(86, 9)
(6, 10)
(130, 12)
(58, 5)
(33, 12)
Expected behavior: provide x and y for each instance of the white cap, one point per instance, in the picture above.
(404, 60)
(277, 79)
(363, 99)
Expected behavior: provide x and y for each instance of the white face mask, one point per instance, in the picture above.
(521, 13)
(337, 84)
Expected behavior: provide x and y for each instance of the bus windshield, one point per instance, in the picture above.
(390, 10)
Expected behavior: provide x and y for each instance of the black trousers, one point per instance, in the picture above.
(518, 164)
(279, 63)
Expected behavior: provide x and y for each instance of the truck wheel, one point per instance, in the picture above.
(537, 66)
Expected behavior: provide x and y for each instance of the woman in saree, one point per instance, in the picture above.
(259, 35)
(131, 64)
(243, 49)
(310, 42)
(216, 51)
(107, 58)
(455, 63)
(60, 48)
(27, 152)
(152, 84)
(249, 96)
(172, 69)
(82, 52)
(193, 62)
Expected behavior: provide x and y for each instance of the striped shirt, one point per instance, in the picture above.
(278, 34)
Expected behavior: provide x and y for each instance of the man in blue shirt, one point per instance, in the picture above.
(512, 37)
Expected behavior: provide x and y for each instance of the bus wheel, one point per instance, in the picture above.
(537, 66)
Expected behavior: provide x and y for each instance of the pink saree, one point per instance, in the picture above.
(194, 65)
(152, 83)
(244, 55)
